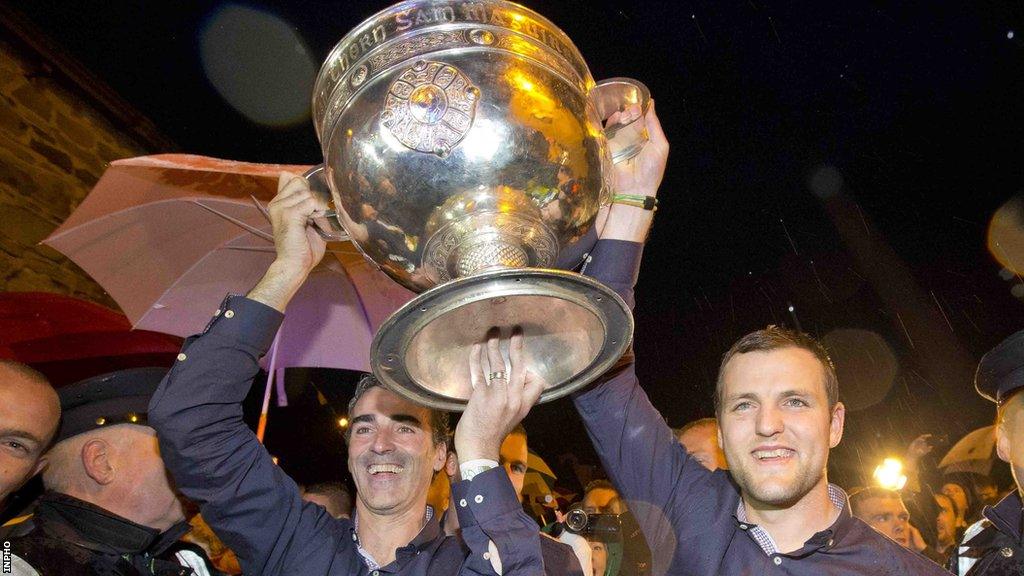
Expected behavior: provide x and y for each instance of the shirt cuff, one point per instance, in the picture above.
(245, 320)
(489, 496)
(471, 469)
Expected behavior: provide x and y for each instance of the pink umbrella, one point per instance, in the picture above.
(168, 236)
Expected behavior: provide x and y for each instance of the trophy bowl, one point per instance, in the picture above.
(466, 155)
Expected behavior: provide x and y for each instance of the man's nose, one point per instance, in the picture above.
(769, 421)
(383, 442)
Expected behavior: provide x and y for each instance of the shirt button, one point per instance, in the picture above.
(462, 502)
(354, 537)
(830, 542)
(376, 573)
(1006, 552)
(182, 357)
(487, 555)
(777, 560)
(217, 313)
(479, 498)
(743, 526)
(229, 314)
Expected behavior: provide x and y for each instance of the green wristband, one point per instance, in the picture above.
(645, 202)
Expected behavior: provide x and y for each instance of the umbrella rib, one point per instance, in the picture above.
(260, 207)
(272, 249)
(235, 221)
(194, 265)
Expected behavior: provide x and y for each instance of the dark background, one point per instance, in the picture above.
(842, 158)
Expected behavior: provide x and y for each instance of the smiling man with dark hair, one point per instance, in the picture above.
(395, 447)
(778, 414)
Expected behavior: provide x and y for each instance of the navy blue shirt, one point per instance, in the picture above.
(255, 507)
(687, 513)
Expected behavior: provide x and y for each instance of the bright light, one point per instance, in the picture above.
(484, 140)
(343, 422)
(889, 474)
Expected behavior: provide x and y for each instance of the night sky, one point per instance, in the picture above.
(843, 159)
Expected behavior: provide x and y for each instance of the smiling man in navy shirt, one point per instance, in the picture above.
(776, 398)
(395, 447)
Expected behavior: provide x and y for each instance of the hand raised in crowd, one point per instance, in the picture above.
(299, 247)
(919, 448)
(500, 398)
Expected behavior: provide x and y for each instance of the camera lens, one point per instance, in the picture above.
(576, 520)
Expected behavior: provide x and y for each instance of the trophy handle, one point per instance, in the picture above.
(327, 226)
(628, 135)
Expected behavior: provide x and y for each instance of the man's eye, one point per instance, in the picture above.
(17, 446)
(361, 430)
(406, 429)
(797, 402)
(742, 406)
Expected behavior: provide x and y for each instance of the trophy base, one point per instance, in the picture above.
(574, 328)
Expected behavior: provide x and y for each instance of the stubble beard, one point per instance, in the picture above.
(773, 493)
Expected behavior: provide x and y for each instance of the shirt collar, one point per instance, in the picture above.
(825, 539)
(427, 535)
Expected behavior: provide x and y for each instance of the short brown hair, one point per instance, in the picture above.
(439, 419)
(861, 495)
(775, 338)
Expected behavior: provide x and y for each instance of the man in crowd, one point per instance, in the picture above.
(394, 446)
(29, 413)
(560, 559)
(994, 544)
(884, 511)
(601, 497)
(109, 506)
(333, 496)
(700, 439)
(777, 406)
(625, 552)
(947, 532)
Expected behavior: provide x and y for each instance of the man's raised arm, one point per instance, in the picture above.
(636, 446)
(214, 457)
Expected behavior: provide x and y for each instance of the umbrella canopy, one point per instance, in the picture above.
(169, 236)
(69, 339)
(155, 228)
(972, 453)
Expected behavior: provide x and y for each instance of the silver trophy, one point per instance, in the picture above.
(467, 154)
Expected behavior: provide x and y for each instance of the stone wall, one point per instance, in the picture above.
(54, 146)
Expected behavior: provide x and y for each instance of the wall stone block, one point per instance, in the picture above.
(54, 146)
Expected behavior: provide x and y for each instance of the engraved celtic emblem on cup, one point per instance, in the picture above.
(430, 107)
